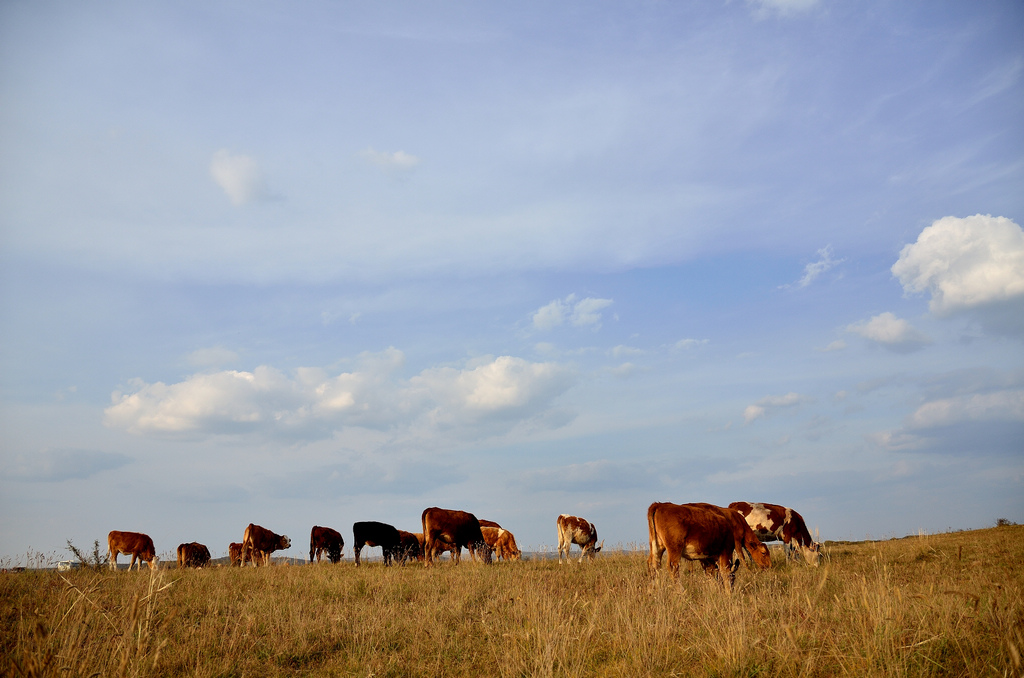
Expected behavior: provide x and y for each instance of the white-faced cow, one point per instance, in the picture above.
(502, 542)
(747, 543)
(694, 533)
(372, 533)
(457, 528)
(324, 540)
(573, 530)
(771, 522)
(138, 545)
(193, 554)
(259, 542)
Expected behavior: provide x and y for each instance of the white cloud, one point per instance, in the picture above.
(890, 331)
(686, 344)
(496, 394)
(399, 161)
(816, 268)
(965, 263)
(239, 176)
(1006, 405)
(579, 313)
(769, 404)
(837, 345)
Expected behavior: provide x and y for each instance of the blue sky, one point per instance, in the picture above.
(346, 261)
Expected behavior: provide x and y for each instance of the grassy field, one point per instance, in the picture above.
(947, 604)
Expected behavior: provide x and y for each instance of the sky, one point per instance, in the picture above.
(321, 263)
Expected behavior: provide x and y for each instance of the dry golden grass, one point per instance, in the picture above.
(949, 604)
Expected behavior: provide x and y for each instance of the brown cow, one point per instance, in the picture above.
(139, 545)
(325, 540)
(372, 533)
(506, 548)
(259, 542)
(488, 523)
(193, 555)
(747, 543)
(693, 533)
(235, 553)
(772, 522)
(573, 530)
(458, 528)
(410, 547)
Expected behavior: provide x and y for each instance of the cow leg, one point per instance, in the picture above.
(673, 563)
(113, 560)
(132, 564)
(358, 548)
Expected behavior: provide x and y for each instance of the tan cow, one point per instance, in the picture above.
(193, 555)
(325, 540)
(259, 542)
(694, 533)
(574, 530)
(771, 522)
(139, 545)
(458, 528)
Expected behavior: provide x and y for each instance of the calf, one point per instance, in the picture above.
(259, 542)
(325, 540)
(193, 555)
(573, 530)
(139, 545)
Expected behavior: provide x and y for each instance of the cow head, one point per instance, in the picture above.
(284, 543)
(759, 554)
(812, 553)
(591, 552)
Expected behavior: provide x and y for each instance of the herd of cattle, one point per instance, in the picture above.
(716, 537)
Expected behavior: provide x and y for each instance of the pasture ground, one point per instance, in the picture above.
(944, 605)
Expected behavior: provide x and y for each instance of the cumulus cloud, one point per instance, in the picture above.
(494, 394)
(1006, 405)
(895, 334)
(687, 344)
(63, 464)
(971, 264)
(814, 269)
(770, 404)
(585, 312)
(239, 176)
(397, 162)
(989, 422)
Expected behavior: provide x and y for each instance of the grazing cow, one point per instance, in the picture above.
(573, 530)
(771, 522)
(372, 533)
(457, 528)
(694, 533)
(506, 548)
(259, 542)
(139, 545)
(235, 553)
(410, 547)
(193, 555)
(747, 543)
(325, 540)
